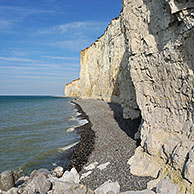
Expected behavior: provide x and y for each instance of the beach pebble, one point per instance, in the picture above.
(71, 176)
(6, 180)
(58, 171)
(146, 191)
(91, 166)
(103, 166)
(108, 186)
(84, 175)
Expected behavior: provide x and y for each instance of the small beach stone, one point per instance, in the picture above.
(103, 166)
(71, 176)
(91, 166)
(108, 186)
(58, 171)
(84, 175)
(6, 180)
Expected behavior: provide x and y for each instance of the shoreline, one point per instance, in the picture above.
(84, 148)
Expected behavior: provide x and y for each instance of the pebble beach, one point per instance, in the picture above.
(106, 147)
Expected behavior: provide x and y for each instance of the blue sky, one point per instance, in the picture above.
(41, 40)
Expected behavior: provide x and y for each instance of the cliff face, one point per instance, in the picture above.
(73, 88)
(105, 73)
(161, 43)
(145, 61)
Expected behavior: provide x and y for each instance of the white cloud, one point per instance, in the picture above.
(74, 27)
(60, 58)
(16, 59)
(76, 45)
(23, 10)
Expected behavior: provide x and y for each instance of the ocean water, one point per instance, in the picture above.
(36, 132)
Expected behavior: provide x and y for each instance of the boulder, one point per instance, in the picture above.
(43, 171)
(13, 190)
(139, 192)
(71, 176)
(6, 180)
(70, 188)
(36, 183)
(142, 164)
(108, 186)
(166, 187)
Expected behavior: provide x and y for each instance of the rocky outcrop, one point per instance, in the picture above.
(144, 61)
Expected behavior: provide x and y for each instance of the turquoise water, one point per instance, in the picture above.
(36, 131)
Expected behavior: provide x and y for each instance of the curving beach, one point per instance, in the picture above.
(106, 146)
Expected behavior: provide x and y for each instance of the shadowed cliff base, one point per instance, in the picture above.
(124, 93)
(129, 126)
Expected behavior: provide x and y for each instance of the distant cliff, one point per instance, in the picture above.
(145, 62)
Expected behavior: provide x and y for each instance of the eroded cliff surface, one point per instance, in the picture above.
(145, 61)
(161, 46)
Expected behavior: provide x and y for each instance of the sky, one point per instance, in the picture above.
(41, 40)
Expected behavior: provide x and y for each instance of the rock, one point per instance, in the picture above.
(67, 188)
(36, 183)
(42, 171)
(17, 175)
(166, 187)
(144, 165)
(6, 180)
(91, 166)
(189, 167)
(139, 192)
(103, 166)
(71, 176)
(152, 184)
(13, 190)
(58, 171)
(108, 186)
(84, 175)
(21, 180)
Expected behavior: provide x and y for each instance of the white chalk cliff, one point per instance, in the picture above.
(145, 62)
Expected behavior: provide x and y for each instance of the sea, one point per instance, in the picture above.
(37, 132)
